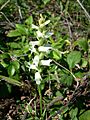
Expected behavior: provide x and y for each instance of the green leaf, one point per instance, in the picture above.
(5, 55)
(4, 64)
(9, 88)
(14, 33)
(83, 43)
(29, 21)
(73, 58)
(57, 55)
(2, 2)
(73, 113)
(85, 115)
(84, 62)
(75, 118)
(46, 1)
(58, 93)
(66, 79)
(11, 70)
(21, 29)
(14, 45)
(58, 44)
(10, 80)
(79, 74)
(26, 48)
(5, 58)
(16, 64)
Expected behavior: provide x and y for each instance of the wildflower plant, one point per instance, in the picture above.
(42, 57)
(39, 49)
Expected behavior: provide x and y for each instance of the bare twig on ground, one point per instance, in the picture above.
(26, 112)
(86, 13)
(11, 24)
(60, 98)
(4, 4)
(77, 93)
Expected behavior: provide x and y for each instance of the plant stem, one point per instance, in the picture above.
(64, 69)
(67, 71)
(39, 90)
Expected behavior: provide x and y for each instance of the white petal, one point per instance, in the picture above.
(37, 75)
(48, 34)
(37, 78)
(45, 23)
(39, 34)
(38, 82)
(36, 60)
(46, 62)
(44, 49)
(35, 27)
(33, 50)
(33, 67)
(33, 43)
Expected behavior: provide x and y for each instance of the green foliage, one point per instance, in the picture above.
(10, 80)
(73, 114)
(11, 70)
(73, 58)
(57, 55)
(83, 43)
(2, 1)
(46, 1)
(46, 51)
(85, 115)
(29, 21)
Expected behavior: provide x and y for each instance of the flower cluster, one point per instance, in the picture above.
(37, 48)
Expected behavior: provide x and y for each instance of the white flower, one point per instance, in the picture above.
(35, 27)
(45, 23)
(44, 49)
(38, 78)
(33, 43)
(34, 64)
(39, 34)
(36, 60)
(48, 34)
(32, 49)
(46, 62)
(33, 67)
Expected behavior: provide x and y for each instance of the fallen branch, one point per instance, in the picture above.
(4, 4)
(86, 13)
(77, 93)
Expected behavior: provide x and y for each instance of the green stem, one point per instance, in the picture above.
(39, 90)
(65, 69)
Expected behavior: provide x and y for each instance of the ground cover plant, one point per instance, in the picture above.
(44, 60)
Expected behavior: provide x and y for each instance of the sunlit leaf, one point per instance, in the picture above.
(85, 115)
(11, 70)
(14, 33)
(56, 55)
(46, 1)
(14, 45)
(22, 29)
(16, 64)
(29, 20)
(4, 64)
(73, 113)
(84, 62)
(10, 80)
